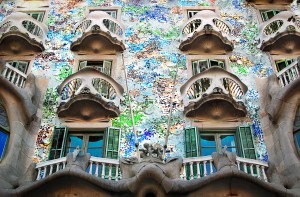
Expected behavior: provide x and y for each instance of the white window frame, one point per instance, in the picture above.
(34, 6)
(105, 9)
(199, 8)
(191, 58)
(112, 58)
(262, 8)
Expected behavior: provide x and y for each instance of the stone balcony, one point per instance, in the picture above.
(203, 166)
(98, 33)
(280, 34)
(20, 34)
(214, 94)
(289, 74)
(89, 95)
(207, 33)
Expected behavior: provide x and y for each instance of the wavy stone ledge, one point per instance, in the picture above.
(207, 42)
(97, 41)
(18, 43)
(82, 108)
(216, 107)
(151, 181)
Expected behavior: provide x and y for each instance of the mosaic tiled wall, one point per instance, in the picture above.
(152, 30)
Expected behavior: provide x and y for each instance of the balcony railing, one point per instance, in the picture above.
(14, 75)
(198, 167)
(22, 22)
(91, 81)
(192, 168)
(289, 74)
(212, 81)
(203, 21)
(100, 20)
(99, 167)
(285, 21)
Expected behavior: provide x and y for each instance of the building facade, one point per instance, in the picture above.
(149, 98)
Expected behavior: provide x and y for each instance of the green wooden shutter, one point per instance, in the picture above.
(247, 142)
(191, 142)
(191, 149)
(113, 138)
(58, 142)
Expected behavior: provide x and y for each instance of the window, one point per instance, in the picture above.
(4, 130)
(199, 66)
(90, 143)
(268, 14)
(104, 66)
(101, 143)
(286, 71)
(39, 16)
(204, 143)
(281, 64)
(32, 27)
(111, 26)
(16, 72)
(297, 130)
(210, 143)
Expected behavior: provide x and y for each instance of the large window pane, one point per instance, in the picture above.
(3, 141)
(207, 140)
(297, 140)
(207, 151)
(227, 140)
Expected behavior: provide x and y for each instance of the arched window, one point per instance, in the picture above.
(4, 130)
(297, 130)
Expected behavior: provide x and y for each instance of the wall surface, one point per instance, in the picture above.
(152, 30)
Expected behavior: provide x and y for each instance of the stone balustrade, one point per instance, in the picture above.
(202, 21)
(100, 167)
(100, 20)
(198, 167)
(289, 74)
(211, 81)
(93, 82)
(22, 22)
(14, 75)
(192, 168)
(285, 21)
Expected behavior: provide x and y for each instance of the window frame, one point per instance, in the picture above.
(103, 65)
(33, 6)
(118, 10)
(274, 58)
(112, 58)
(5, 131)
(191, 58)
(86, 135)
(262, 8)
(100, 131)
(217, 133)
(188, 9)
(296, 130)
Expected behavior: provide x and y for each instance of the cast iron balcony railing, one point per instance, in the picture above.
(206, 22)
(289, 74)
(22, 26)
(92, 87)
(280, 34)
(214, 85)
(96, 30)
(192, 168)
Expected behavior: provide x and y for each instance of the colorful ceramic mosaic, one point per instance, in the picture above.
(151, 58)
